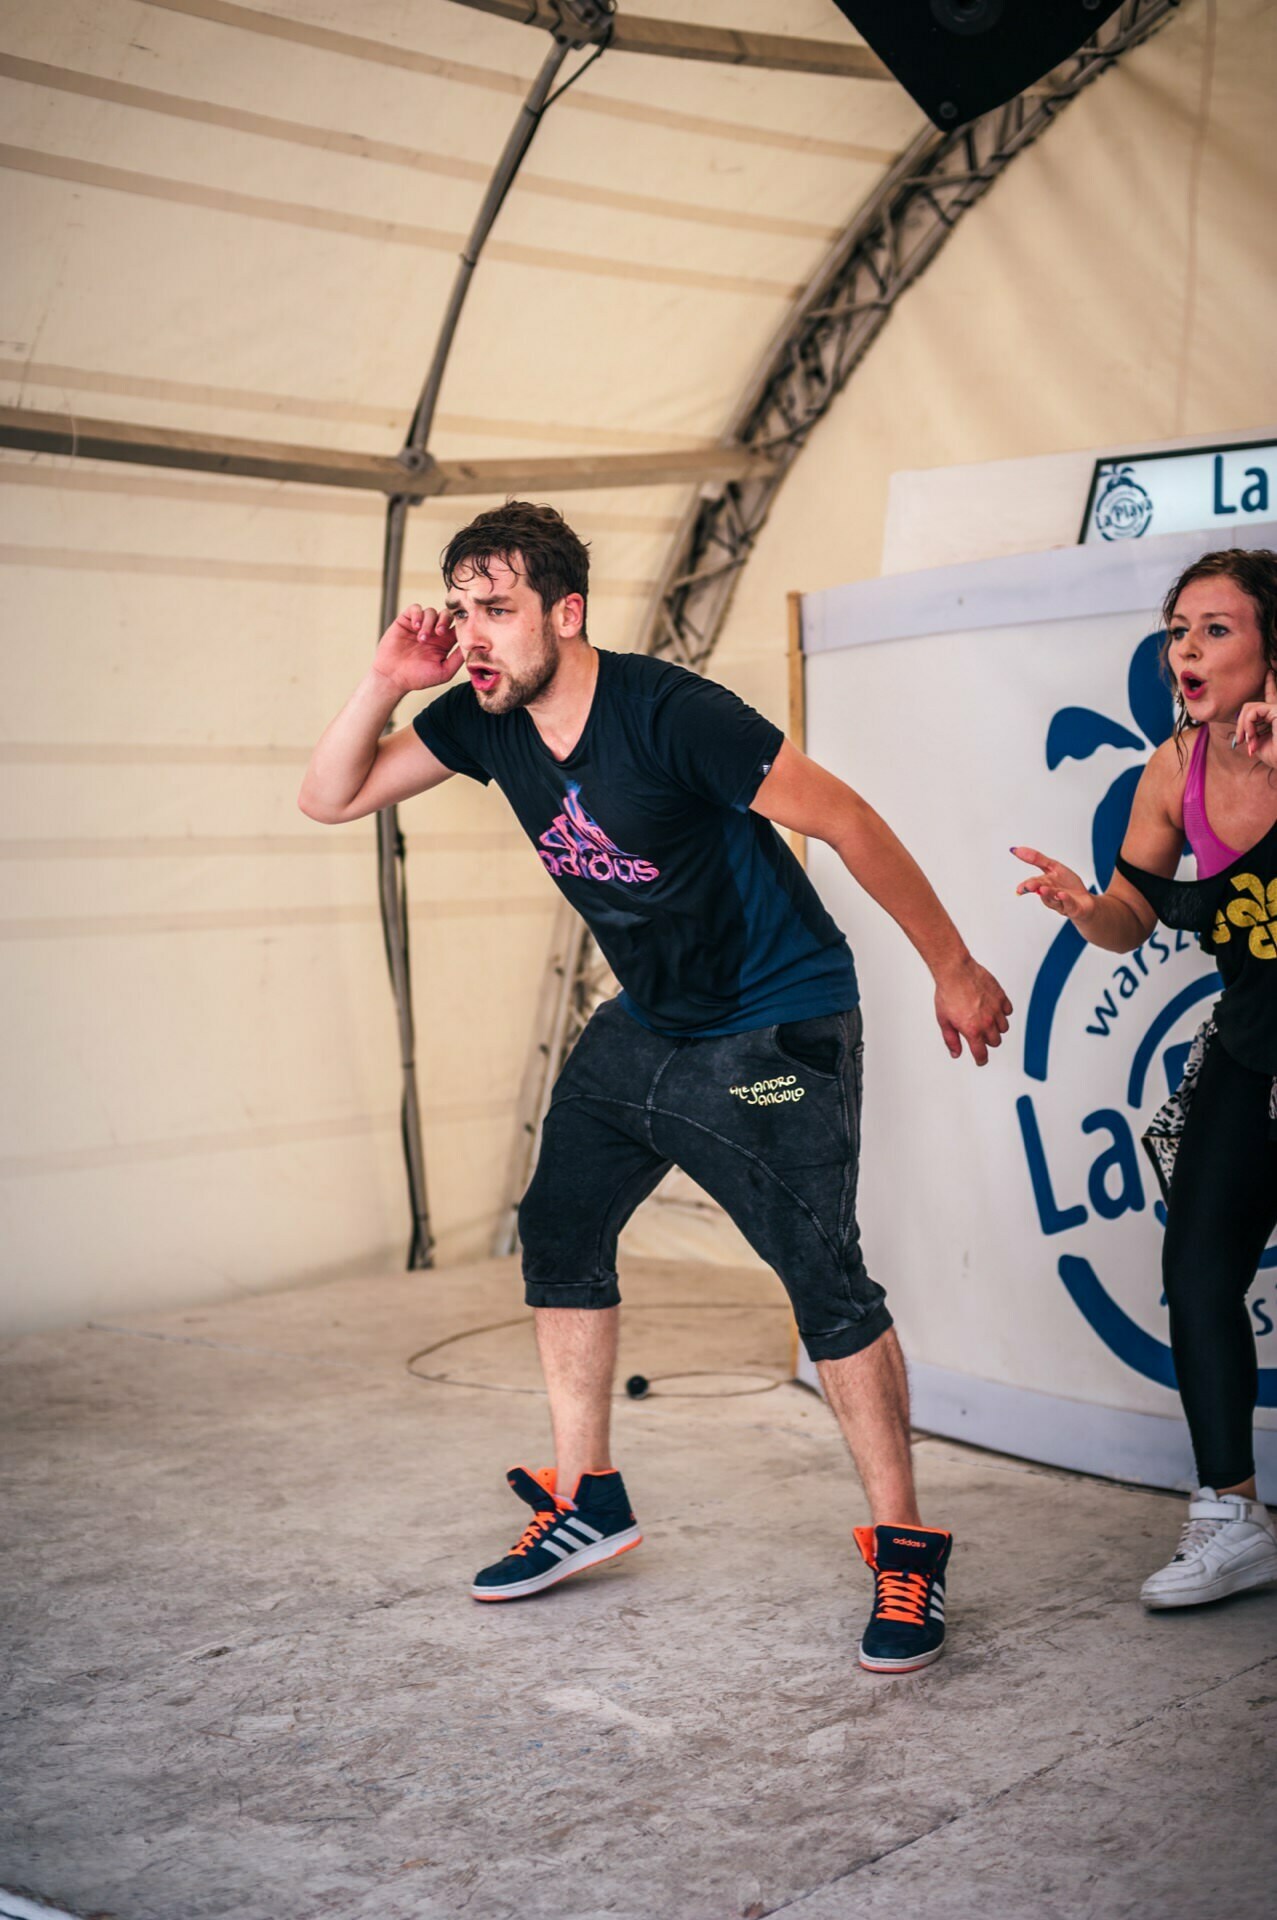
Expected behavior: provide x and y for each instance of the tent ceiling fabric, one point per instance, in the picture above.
(244, 219)
(303, 202)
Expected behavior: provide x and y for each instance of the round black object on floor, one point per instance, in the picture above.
(636, 1386)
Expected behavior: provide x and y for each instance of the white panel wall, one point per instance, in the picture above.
(1010, 1211)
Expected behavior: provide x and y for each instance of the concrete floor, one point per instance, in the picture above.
(246, 1678)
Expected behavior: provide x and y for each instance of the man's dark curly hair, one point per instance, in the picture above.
(534, 541)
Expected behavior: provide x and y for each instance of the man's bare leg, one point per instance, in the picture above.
(869, 1393)
(578, 1358)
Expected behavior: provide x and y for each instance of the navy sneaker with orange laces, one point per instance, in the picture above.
(906, 1627)
(563, 1537)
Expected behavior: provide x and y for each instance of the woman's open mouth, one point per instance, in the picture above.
(1191, 686)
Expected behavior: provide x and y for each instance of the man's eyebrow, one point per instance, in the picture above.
(479, 600)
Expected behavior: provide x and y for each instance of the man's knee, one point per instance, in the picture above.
(591, 1291)
(851, 1338)
(561, 1268)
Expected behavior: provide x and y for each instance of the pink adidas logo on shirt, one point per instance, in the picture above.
(577, 845)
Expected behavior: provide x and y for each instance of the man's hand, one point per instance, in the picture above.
(971, 1006)
(419, 651)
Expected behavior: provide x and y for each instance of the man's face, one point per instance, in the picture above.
(509, 643)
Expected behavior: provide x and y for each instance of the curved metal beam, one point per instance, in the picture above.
(888, 245)
(415, 458)
(686, 40)
(36, 431)
(519, 140)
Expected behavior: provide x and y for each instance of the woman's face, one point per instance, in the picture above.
(1216, 650)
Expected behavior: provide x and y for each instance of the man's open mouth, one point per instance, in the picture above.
(483, 678)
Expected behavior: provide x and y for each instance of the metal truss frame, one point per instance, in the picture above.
(889, 244)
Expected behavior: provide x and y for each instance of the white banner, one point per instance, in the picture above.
(1011, 1212)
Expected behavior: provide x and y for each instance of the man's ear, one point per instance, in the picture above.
(569, 616)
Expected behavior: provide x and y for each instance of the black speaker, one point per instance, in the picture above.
(959, 58)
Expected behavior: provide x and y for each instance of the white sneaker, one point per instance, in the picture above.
(1226, 1545)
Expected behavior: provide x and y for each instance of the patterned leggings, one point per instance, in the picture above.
(1222, 1209)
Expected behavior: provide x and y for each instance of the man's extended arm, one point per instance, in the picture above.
(354, 770)
(808, 799)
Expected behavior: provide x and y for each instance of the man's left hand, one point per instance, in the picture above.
(971, 1006)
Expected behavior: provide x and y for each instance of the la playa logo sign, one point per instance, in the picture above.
(1205, 488)
(1105, 1040)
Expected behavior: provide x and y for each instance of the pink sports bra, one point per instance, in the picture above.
(1212, 854)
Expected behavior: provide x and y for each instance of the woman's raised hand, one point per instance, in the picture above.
(1257, 725)
(1056, 887)
(419, 650)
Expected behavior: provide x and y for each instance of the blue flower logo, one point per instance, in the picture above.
(1076, 732)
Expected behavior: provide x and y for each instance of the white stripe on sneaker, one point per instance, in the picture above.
(605, 1549)
(587, 1532)
(558, 1552)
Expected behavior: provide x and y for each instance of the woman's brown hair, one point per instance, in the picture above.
(1254, 570)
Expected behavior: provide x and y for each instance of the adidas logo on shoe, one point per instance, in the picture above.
(906, 1627)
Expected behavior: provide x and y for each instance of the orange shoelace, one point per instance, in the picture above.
(902, 1596)
(531, 1536)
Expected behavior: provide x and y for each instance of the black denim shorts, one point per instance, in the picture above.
(767, 1122)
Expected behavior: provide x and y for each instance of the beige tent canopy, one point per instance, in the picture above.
(238, 419)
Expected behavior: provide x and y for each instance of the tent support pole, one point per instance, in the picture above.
(392, 888)
(414, 458)
(516, 147)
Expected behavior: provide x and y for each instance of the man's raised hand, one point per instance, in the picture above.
(418, 651)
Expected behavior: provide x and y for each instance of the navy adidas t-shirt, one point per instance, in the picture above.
(703, 913)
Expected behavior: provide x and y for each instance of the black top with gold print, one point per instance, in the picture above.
(1235, 915)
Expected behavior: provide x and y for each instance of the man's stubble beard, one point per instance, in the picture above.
(522, 689)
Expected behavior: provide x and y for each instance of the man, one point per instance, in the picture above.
(733, 1050)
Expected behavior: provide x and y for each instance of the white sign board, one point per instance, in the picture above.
(1010, 1212)
(1221, 490)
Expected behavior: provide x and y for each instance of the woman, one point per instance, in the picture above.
(1214, 1145)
